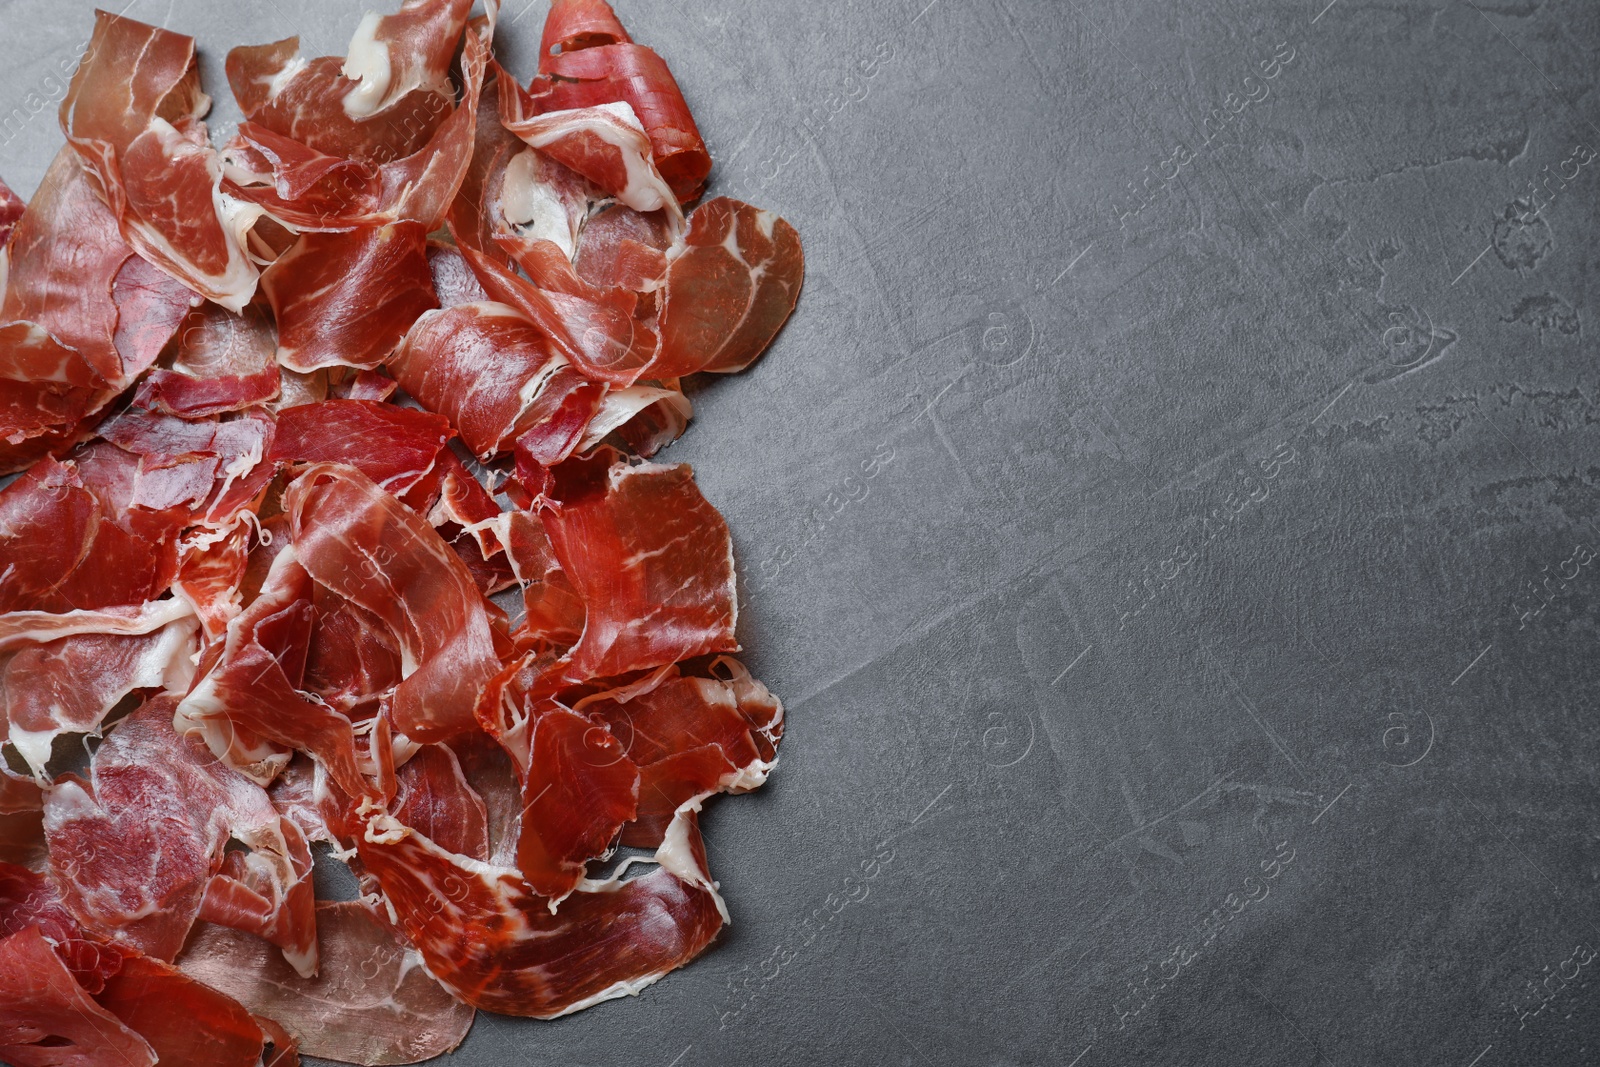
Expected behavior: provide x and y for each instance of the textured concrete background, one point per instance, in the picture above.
(1172, 529)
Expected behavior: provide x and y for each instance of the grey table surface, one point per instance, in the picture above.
(1172, 538)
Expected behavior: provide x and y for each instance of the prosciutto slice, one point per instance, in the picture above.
(133, 849)
(82, 316)
(651, 560)
(224, 362)
(368, 547)
(369, 1003)
(396, 447)
(691, 736)
(48, 1020)
(586, 59)
(70, 685)
(346, 299)
(609, 939)
(133, 114)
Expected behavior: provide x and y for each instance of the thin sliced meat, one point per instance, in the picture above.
(368, 547)
(267, 891)
(580, 789)
(608, 939)
(133, 849)
(370, 1003)
(249, 706)
(22, 628)
(484, 367)
(435, 799)
(394, 446)
(11, 209)
(691, 736)
(651, 559)
(72, 684)
(353, 661)
(622, 247)
(588, 60)
(606, 144)
(453, 279)
(21, 820)
(65, 549)
(183, 1021)
(647, 417)
(81, 318)
(234, 449)
(554, 611)
(393, 55)
(575, 24)
(502, 193)
(224, 362)
(310, 165)
(48, 1020)
(730, 291)
(210, 573)
(133, 114)
(346, 299)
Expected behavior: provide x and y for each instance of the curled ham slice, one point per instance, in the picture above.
(396, 447)
(608, 939)
(133, 114)
(43, 1011)
(587, 59)
(224, 362)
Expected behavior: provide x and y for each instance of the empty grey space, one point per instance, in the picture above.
(1169, 517)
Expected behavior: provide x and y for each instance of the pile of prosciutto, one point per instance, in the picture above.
(331, 530)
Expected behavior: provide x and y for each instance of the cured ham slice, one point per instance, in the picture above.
(651, 559)
(81, 318)
(11, 209)
(369, 1003)
(21, 821)
(48, 1020)
(483, 366)
(70, 685)
(133, 113)
(395, 155)
(249, 706)
(210, 572)
(606, 144)
(21, 628)
(608, 939)
(436, 800)
(587, 59)
(65, 548)
(730, 291)
(346, 299)
(453, 279)
(394, 446)
(580, 789)
(224, 362)
(214, 467)
(133, 849)
(365, 545)
(690, 736)
(182, 1020)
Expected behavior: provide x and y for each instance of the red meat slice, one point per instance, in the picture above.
(730, 291)
(690, 736)
(249, 706)
(82, 316)
(48, 1020)
(133, 113)
(651, 559)
(346, 299)
(365, 545)
(579, 789)
(606, 940)
(587, 59)
(396, 447)
(133, 849)
(225, 362)
(486, 368)
(369, 1003)
(71, 684)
